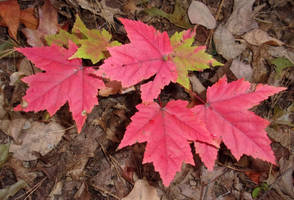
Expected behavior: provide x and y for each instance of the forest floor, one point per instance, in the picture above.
(254, 39)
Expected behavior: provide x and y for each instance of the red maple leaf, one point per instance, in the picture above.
(227, 117)
(166, 131)
(145, 56)
(64, 80)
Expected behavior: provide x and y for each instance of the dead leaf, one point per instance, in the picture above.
(142, 191)
(241, 70)
(21, 172)
(82, 193)
(111, 87)
(4, 150)
(281, 52)
(11, 190)
(2, 110)
(225, 43)
(258, 37)
(28, 19)
(200, 14)
(285, 184)
(40, 138)
(178, 17)
(241, 20)
(12, 16)
(48, 25)
(10, 13)
(57, 190)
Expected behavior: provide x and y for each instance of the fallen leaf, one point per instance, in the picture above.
(48, 25)
(167, 131)
(241, 130)
(225, 43)
(11, 190)
(4, 150)
(285, 182)
(141, 59)
(40, 138)
(10, 13)
(22, 172)
(189, 57)
(281, 64)
(241, 70)
(241, 20)
(258, 37)
(55, 85)
(200, 14)
(142, 191)
(178, 17)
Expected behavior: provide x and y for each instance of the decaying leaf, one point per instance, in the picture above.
(200, 14)
(40, 138)
(225, 43)
(178, 17)
(241, 19)
(11, 190)
(142, 191)
(4, 150)
(241, 70)
(258, 37)
(12, 15)
(48, 24)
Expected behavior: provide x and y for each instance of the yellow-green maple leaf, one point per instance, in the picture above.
(93, 43)
(188, 57)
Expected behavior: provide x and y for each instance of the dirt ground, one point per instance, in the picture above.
(88, 166)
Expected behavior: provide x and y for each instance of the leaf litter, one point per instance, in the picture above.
(186, 184)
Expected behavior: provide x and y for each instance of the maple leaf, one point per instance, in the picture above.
(146, 55)
(93, 43)
(12, 15)
(226, 116)
(166, 131)
(64, 80)
(188, 57)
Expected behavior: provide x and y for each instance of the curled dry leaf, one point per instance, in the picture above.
(225, 43)
(258, 37)
(10, 13)
(40, 138)
(199, 14)
(48, 24)
(241, 70)
(241, 19)
(142, 191)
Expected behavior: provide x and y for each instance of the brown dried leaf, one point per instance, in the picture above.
(200, 14)
(241, 70)
(142, 191)
(258, 37)
(225, 43)
(48, 25)
(10, 13)
(40, 138)
(241, 19)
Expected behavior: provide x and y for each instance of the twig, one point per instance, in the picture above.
(208, 40)
(32, 190)
(100, 189)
